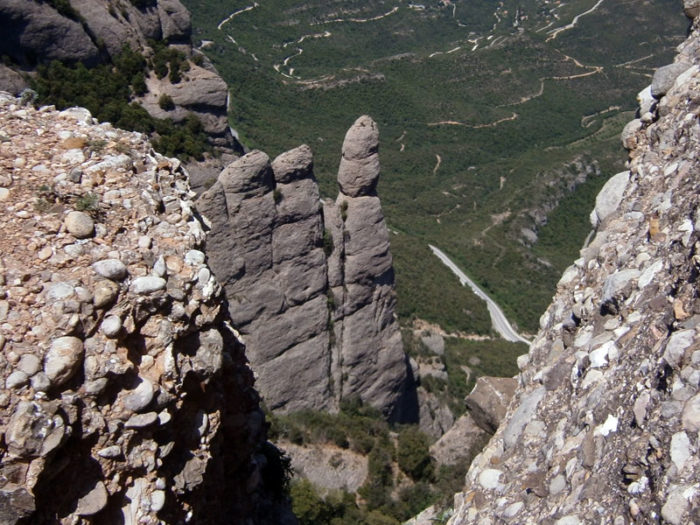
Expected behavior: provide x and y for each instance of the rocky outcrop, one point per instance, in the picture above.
(328, 467)
(34, 31)
(94, 31)
(370, 361)
(310, 286)
(461, 442)
(489, 400)
(81, 30)
(605, 420)
(200, 92)
(126, 397)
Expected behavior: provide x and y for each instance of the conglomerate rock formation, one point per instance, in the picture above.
(125, 394)
(605, 424)
(95, 31)
(310, 285)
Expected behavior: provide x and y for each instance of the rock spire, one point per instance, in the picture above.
(310, 285)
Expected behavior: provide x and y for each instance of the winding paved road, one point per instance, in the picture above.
(498, 318)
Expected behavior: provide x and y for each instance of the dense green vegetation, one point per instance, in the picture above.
(528, 106)
(107, 89)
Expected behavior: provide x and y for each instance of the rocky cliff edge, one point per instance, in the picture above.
(125, 394)
(605, 424)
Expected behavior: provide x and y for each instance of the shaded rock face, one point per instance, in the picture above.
(97, 31)
(37, 32)
(310, 286)
(489, 400)
(604, 423)
(126, 396)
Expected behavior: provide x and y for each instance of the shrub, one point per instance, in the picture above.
(307, 505)
(165, 102)
(277, 472)
(87, 202)
(413, 454)
(64, 7)
(327, 242)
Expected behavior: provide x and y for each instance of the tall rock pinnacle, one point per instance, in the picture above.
(310, 286)
(370, 353)
(359, 167)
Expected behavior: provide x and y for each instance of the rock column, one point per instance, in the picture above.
(369, 359)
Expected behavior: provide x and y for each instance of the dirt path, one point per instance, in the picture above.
(360, 20)
(236, 13)
(594, 70)
(438, 159)
(554, 33)
(473, 126)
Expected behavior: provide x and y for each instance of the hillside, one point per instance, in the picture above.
(492, 114)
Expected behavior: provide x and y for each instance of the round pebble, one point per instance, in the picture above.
(79, 224)
(16, 379)
(148, 284)
(29, 364)
(112, 269)
(111, 326)
(141, 420)
(140, 397)
(63, 359)
(41, 382)
(45, 253)
(105, 293)
(157, 500)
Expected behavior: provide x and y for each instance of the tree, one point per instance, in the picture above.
(414, 455)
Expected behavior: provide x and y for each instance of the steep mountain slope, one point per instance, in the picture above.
(126, 396)
(499, 120)
(604, 425)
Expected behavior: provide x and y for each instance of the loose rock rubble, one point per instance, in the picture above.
(122, 379)
(605, 423)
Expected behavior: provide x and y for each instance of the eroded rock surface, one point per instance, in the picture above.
(604, 424)
(95, 31)
(125, 396)
(310, 285)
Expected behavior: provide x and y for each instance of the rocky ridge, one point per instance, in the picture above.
(95, 31)
(126, 397)
(605, 423)
(310, 285)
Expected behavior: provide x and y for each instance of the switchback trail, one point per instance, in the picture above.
(498, 318)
